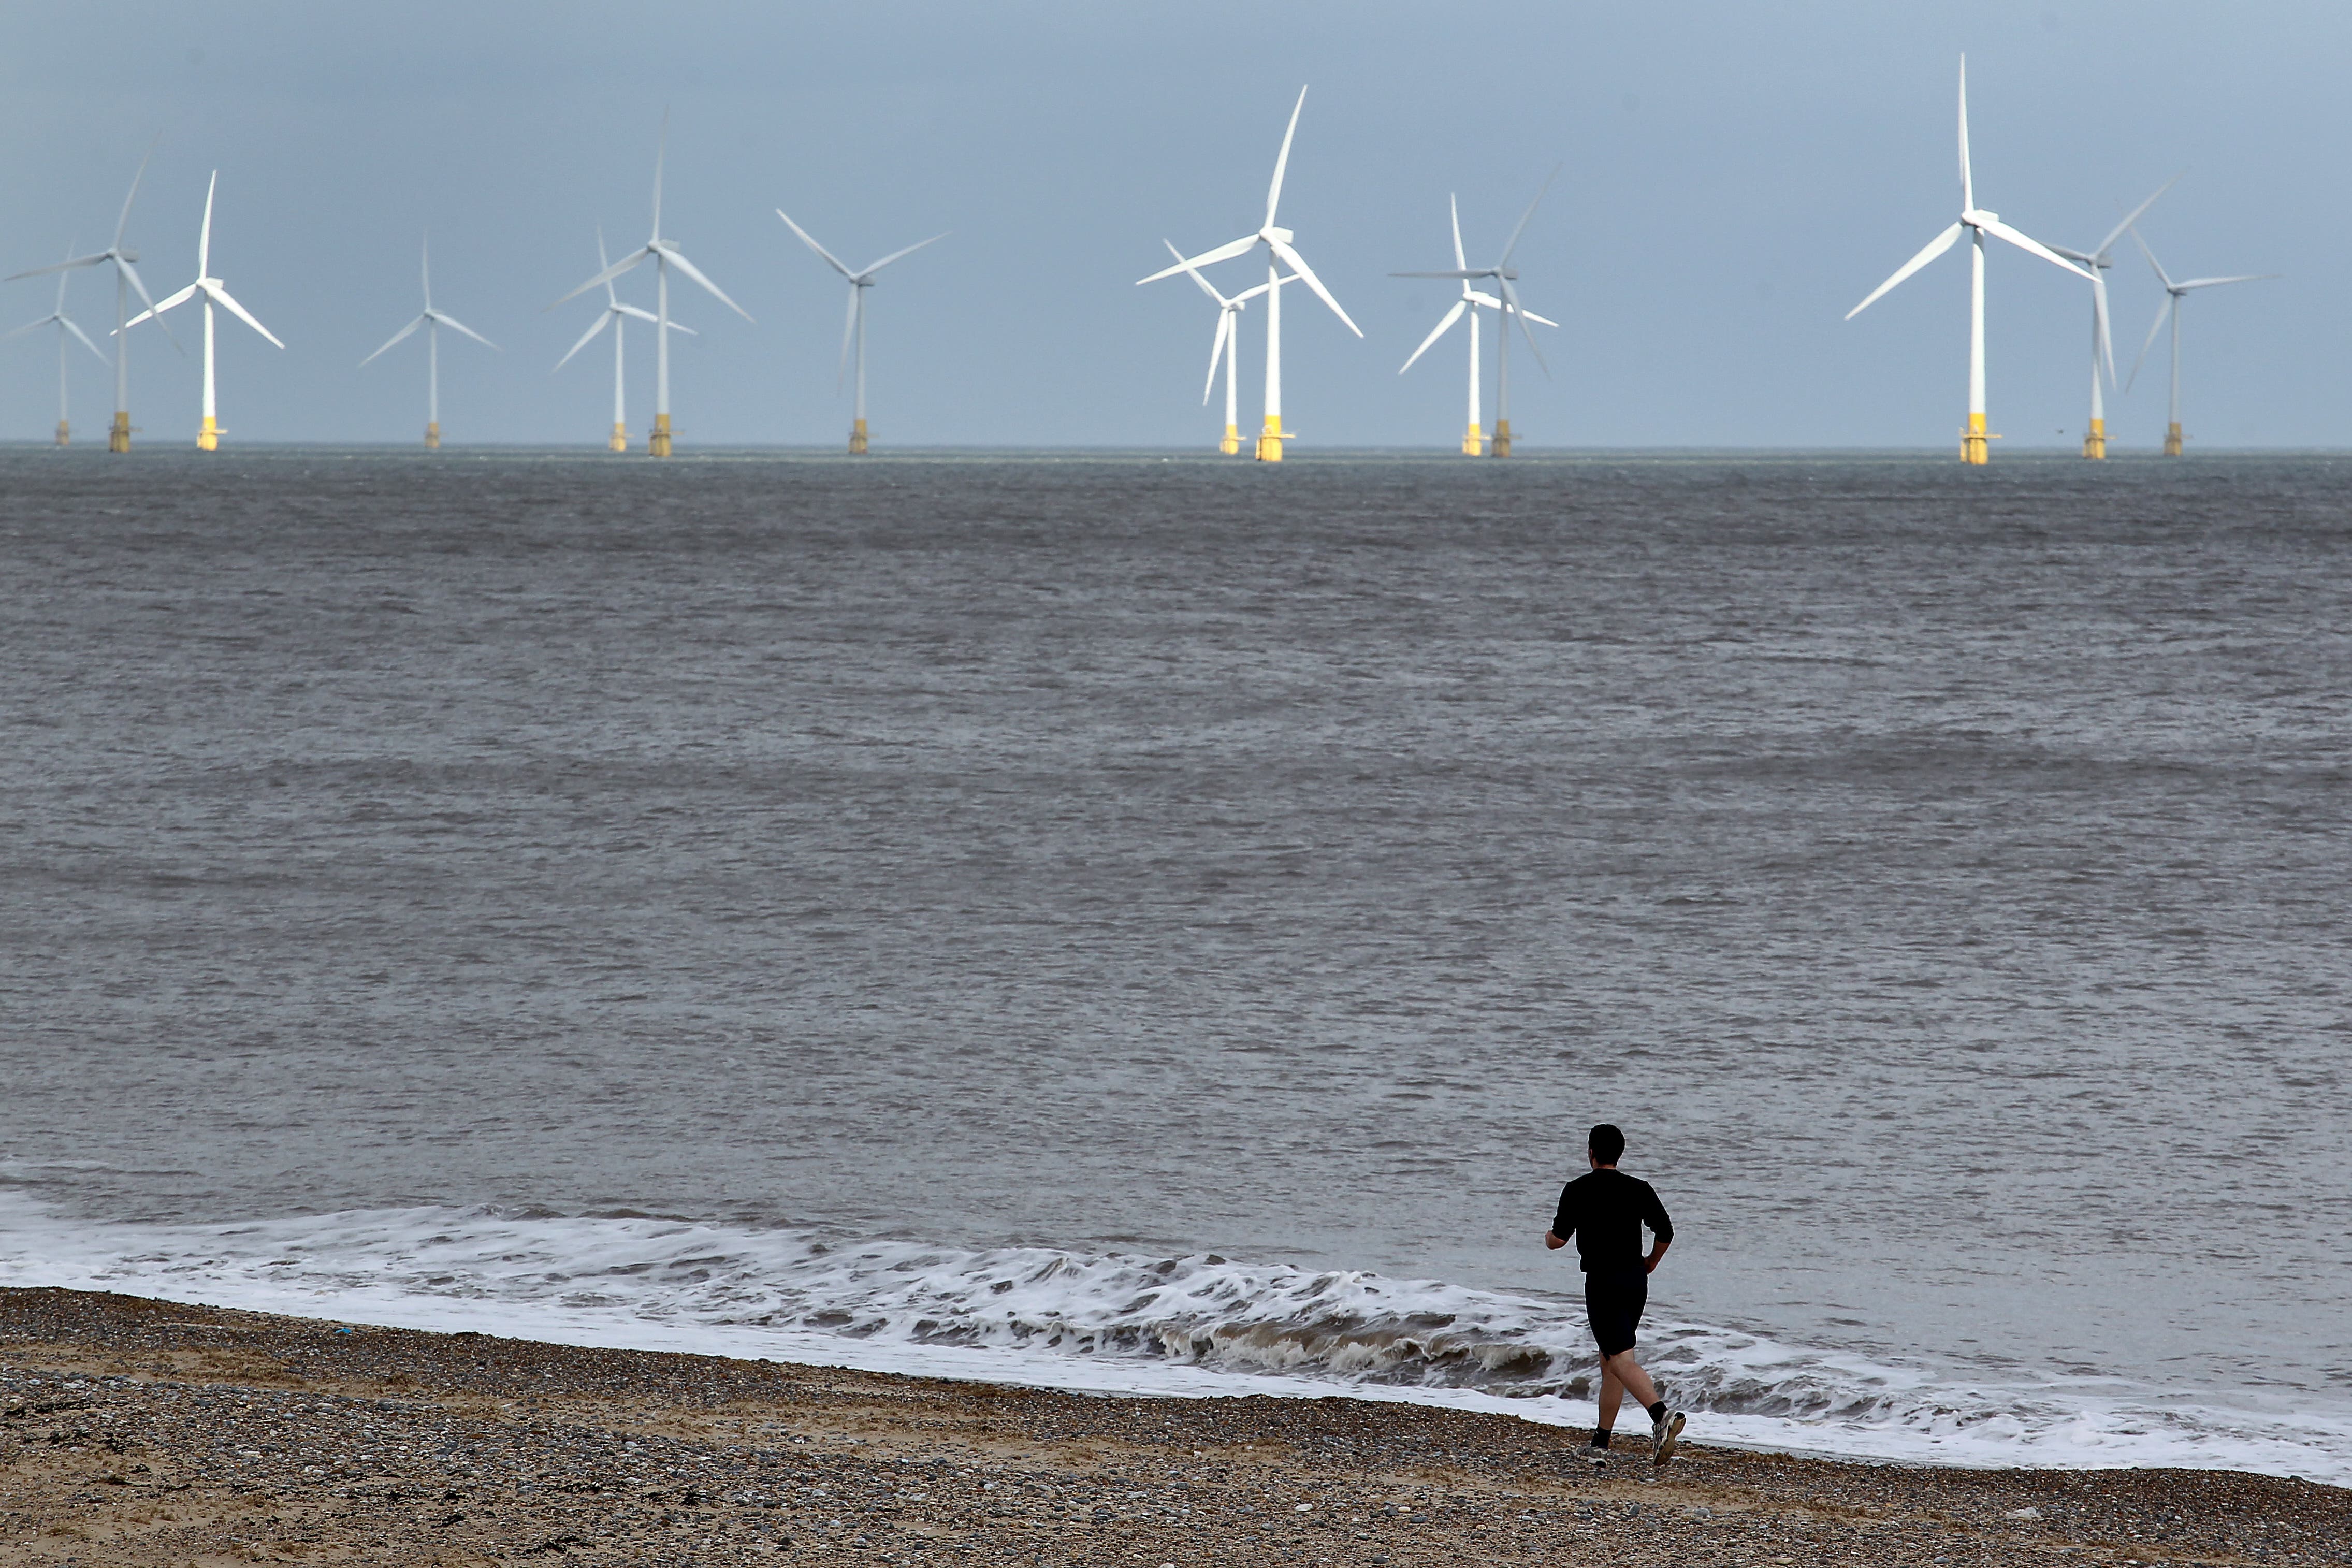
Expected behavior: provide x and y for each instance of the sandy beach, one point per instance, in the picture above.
(134, 1431)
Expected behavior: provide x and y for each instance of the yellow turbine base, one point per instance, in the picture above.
(2172, 440)
(1473, 445)
(620, 441)
(64, 436)
(433, 436)
(208, 439)
(1269, 441)
(659, 445)
(118, 438)
(857, 437)
(1232, 441)
(2094, 445)
(1501, 445)
(1975, 445)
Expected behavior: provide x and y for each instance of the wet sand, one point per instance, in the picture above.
(139, 1432)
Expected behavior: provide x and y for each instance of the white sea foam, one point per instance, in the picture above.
(1197, 1325)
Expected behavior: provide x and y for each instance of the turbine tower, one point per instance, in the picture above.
(2103, 348)
(1506, 308)
(1974, 440)
(1227, 345)
(609, 317)
(666, 254)
(432, 320)
(64, 323)
(1280, 253)
(855, 327)
(126, 279)
(2170, 310)
(208, 435)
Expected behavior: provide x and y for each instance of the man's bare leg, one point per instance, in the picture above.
(1622, 1373)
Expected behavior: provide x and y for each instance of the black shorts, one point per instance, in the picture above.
(1613, 1301)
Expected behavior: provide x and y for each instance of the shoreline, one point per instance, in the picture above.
(135, 1431)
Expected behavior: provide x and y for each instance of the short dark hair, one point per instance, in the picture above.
(1607, 1144)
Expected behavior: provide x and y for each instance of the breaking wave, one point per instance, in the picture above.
(1197, 1324)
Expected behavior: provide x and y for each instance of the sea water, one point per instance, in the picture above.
(1117, 922)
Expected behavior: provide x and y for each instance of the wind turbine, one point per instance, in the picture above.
(1280, 253)
(65, 326)
(1975, 441)
(609, 317)
(1227, 345)
(432, 320)
(1471, 302)
(2103, 348)
(666, 254)
(855, 327)
(126, 278)
(208, 436)
(2170, 310)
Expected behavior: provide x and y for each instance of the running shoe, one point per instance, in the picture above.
(1665, 1432)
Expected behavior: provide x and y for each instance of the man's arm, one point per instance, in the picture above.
(1662, 1230)
(1563, 1224)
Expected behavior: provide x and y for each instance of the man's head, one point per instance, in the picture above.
(1606, 1144)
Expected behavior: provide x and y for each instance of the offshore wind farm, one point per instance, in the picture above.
(1486, 292)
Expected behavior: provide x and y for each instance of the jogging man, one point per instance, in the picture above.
(1605, 1210)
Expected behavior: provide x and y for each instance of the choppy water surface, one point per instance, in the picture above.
(1136, 921)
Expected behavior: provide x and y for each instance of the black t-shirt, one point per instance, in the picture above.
(1604, 1211)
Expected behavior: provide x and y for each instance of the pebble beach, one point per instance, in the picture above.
(143, 1432)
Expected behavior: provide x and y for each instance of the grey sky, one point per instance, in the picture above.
(1736, 177)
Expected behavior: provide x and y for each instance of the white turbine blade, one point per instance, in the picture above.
(661, 155)
(1216, 353)
(1539, 321)
(1224, 252)
(30, 326)
(1928, 252)
(604, 277)
(2099, 322)
(604, 260)
(2132, 216)
(830, 260)
(204, 237)
(395, 338)
(1518, 312)
(1486, 272)
(678, 260)
(124, 221)
(171, 303)
(603, 320)
(1298, 264)
(1248, 294)
(1522, 227)
(1206, 287)
(895, 255)
(639, 313)
(446, 319)
(58, 266)
(1454, 206)
(1281, 161)
(2032, 246)
(2209, 282)
(679, 327)
(77, 332)
(1436, 332)
(220, 297)
(2161, 276)
(2163, 312)
(1967, 183)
